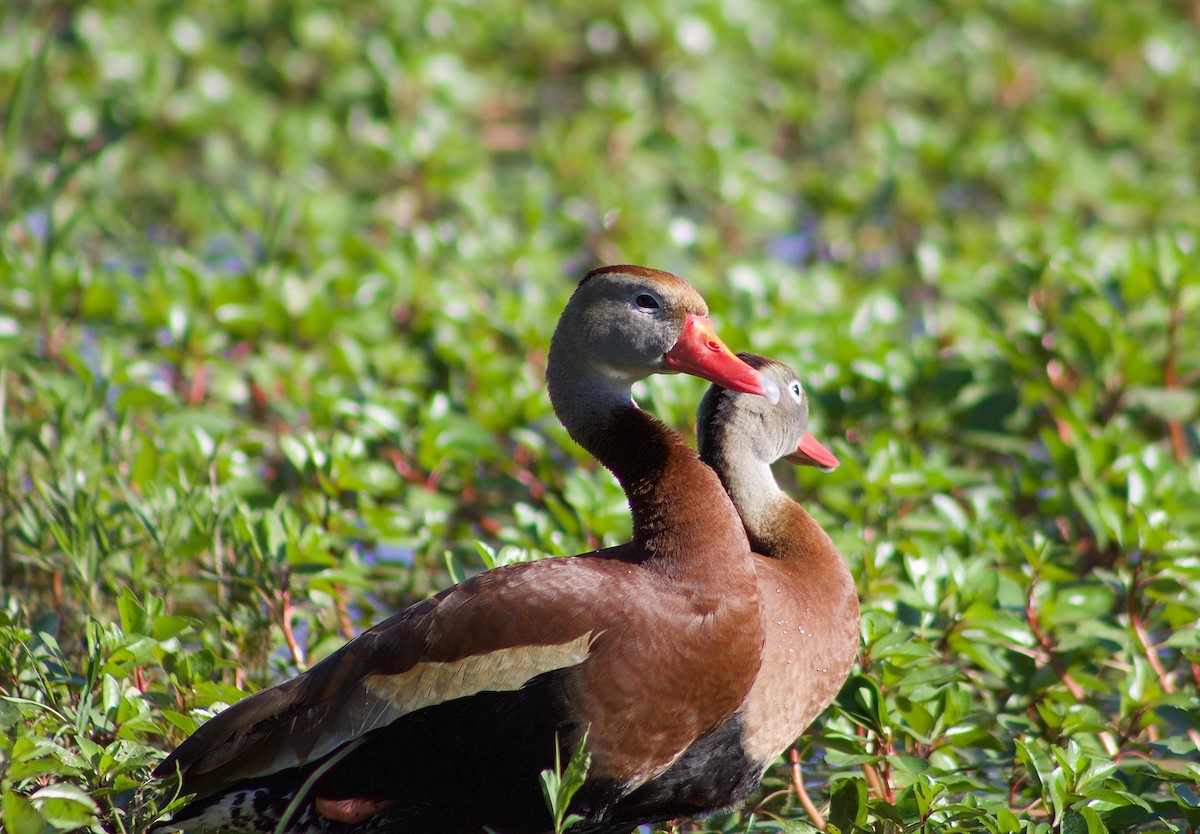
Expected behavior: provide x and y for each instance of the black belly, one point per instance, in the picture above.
(712, 775)
(475, 762)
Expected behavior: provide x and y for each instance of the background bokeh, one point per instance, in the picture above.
(277, 279)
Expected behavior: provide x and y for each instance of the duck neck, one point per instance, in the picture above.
(776, 525)
(683, 522)
(785, 531)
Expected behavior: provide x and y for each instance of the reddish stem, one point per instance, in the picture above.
(802, 794)
(1171, 376)
(1047, 646)
(285, 598)
(343, 613)
(1139, 632)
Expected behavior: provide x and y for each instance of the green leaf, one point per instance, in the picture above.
(912, 765)
(1082, 820)
(20, 815)
(1167, 403)
(559, 786)
(953, 513)
(848, 804)
(1007, 822)
(862, 699)
(1037, 764)
(134, 619)
(65, 806)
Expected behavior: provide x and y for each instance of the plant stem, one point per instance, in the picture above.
(1047, 646)
(1171, 375)
(285, 599)
(1139, 632)
(801, 793)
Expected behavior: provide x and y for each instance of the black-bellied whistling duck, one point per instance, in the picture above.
(809, 602)
(441, 718)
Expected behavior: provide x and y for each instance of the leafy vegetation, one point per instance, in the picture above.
(277, 279)
(560, 785)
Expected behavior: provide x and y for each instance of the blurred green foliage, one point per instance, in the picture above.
(277, 279)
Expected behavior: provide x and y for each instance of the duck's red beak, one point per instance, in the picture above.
(811, 453)
(700, 352)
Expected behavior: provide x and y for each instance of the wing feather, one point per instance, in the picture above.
(451, 646)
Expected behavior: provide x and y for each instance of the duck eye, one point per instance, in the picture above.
(647, 302)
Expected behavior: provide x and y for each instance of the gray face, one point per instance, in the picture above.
(765, 430)
(635, 323)
(779, 426)
(633, 320)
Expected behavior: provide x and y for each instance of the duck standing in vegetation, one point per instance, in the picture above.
(441, 718)
(810, 604)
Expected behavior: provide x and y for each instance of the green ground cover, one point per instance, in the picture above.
(277, 279)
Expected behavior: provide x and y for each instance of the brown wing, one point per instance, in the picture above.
(494, 632)
(654, 665)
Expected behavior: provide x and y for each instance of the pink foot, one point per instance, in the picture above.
(350, 810)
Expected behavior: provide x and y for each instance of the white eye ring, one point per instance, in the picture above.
(797, 393)
(647, 303)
